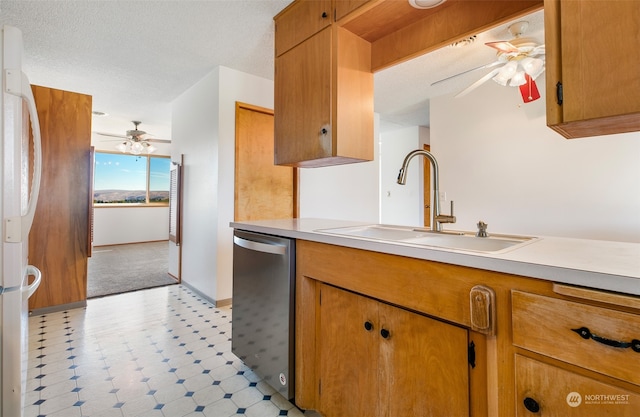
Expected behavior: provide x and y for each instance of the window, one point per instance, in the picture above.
(131, 179)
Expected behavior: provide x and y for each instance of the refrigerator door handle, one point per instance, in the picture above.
(17, 84)
(273, 248)
(31, 288)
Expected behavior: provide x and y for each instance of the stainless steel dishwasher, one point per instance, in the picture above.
(262, 328)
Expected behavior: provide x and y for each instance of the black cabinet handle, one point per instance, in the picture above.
(559, 93)
(324, 131)
(368, 326)
(324, 15)
(531, 405)
(385, 333)
(586, 334)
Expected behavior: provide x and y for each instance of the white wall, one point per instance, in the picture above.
(502, 164)
(115, 226)
(203, 130)
(343, 192)
(398, 202)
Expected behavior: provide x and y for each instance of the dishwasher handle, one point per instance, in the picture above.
(274, 248)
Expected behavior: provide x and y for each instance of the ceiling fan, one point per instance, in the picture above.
(519, 62)
(136, 140)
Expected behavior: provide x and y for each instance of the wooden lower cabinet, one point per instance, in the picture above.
(550, 391)
(379, 360)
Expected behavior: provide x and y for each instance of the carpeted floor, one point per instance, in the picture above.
(124, 268)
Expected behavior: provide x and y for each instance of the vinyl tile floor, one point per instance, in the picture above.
(161, 352)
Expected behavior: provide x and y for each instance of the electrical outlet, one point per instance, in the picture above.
(442, 196)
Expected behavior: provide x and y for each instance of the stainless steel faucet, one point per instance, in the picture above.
(437, 218)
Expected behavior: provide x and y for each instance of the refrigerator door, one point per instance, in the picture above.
(17, 207)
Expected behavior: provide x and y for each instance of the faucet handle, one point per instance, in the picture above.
(482, 229)
(444, 218)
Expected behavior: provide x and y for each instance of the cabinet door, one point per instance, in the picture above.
(588, 50)
(299, 21)
(546, 390)
(424, 366)
(344, 7)
(348, 354)
(302, 103)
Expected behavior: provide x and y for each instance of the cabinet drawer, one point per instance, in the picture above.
(550, 326)
(561, 393)
(301, 20)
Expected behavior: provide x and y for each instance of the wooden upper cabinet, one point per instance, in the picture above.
(299, 21)
(590, 50)
(344, 7)
(323, 103)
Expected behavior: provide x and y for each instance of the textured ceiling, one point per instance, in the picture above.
(135, 57)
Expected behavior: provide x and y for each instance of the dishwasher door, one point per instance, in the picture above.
(262, 328)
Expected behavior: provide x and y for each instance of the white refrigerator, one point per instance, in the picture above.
(19, 187)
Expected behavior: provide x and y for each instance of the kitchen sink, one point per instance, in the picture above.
(465, 241)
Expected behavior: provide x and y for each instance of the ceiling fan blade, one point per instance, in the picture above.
(478, 83)
(503, 46)
(492, 64)
(157, 140)
(111, 134)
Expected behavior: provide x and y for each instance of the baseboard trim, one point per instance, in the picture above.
(216, 303)
(55, 309)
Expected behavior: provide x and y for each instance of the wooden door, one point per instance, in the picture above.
(348, 354)
(426, 184)
(424, 366)
(58, 241)
(262, 189)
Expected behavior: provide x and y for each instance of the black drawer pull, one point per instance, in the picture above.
(385, 333)
(586, 334)
(368, 326)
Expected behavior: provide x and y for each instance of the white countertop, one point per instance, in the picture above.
(599, 264)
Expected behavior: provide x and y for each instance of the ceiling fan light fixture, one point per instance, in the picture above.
(425, 4)
(532, 66)
(122, 147)
(150, 148)
(518, 79)
(506, 72)
(137, 148)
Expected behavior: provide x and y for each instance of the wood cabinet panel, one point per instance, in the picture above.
(425, 368)
(348, 354)
(561, 393)
(302, 105)
(344, 7)
(58, 241)
(323, 103)
(587, 53)
(381, 360)
(546, 325)
(299, 21)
